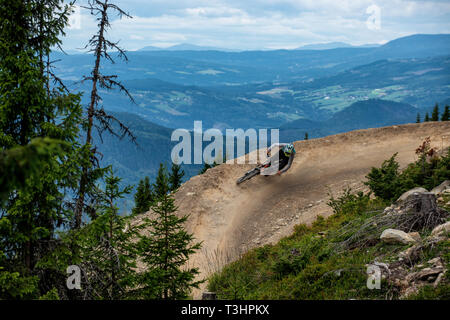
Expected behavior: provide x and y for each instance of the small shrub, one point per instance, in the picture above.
(349, 203)
(388, 183)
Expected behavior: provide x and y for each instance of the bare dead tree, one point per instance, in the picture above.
(101, 47)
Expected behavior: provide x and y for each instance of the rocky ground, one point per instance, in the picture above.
(419, 264)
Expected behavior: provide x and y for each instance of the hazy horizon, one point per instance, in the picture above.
(262, 24)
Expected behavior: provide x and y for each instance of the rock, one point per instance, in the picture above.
(440, 188)
(396, 236)
(427, 272)
(438, 279)
(405, 195)
(415, 236)
(436, 262)
(389, 209)
(441, 229)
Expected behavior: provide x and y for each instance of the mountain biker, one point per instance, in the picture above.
(286, 154)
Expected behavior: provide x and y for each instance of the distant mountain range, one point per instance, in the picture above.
(419, 82)
(212, 68)
(371, 113)
(333, 45)
(315, 46)
(186, 47)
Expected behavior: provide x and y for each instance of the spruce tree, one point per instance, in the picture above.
(435, 113)
(427, 118)
(306, 136)
(108, 252)
(176, 176)
(30, 114)
(446, 114)
(161, 186)
(418, 118)
(164, 251)
(143, 197)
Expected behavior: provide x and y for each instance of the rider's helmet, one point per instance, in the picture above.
(288, 149)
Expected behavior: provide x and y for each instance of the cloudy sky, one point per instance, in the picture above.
(263, 24)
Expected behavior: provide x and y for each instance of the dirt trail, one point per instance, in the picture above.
(231, 219)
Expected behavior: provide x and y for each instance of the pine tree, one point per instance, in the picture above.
(175, 177)
(427, 118)
(446, 114)
(165, 251)
(418, 118)
(143, 197)
(108, 252)
(161, 186)
(306, 136)
(435, 114)
(30, 114)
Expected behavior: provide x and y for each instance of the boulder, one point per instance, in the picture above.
(441, 229)
(440, 188)
(415, 236)
(396, 236)
(405, 195)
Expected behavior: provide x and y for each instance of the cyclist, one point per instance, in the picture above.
(286, 154)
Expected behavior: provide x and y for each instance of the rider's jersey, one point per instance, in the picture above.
(285, 162)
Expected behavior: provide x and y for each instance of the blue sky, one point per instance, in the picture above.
(263, 24)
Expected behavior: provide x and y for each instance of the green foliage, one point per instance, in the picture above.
(165, 250)
(428, 171)
(143, 197)
(306, 136)
(435, 113)
(13, 285)
(176, 176)
(446, 114)
(39, 126)
(18, 163)
(50, 295)
(427, 117)
(107, 252)
(418, 118)
(384, 181)
(349, 202)
(161, 186)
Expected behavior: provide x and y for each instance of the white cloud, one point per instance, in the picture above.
(261, 24)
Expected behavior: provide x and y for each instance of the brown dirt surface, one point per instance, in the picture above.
(230, 219)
